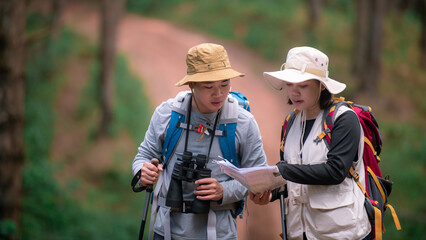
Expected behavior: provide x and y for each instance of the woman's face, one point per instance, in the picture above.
(210, 96)
(305, 96)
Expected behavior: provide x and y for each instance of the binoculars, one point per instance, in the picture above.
(186, 169)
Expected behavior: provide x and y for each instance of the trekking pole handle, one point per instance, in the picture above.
(155, 162)
(147, 200)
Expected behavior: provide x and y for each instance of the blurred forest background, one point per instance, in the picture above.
(82, 190)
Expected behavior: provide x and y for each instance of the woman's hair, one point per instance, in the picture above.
(324, 99)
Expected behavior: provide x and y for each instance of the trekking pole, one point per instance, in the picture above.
(147, 200)
(282, 205)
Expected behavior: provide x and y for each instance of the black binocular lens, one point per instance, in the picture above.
(184, 171)
(202, 206)
(174, 197)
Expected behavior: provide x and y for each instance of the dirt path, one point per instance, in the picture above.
(156, 51)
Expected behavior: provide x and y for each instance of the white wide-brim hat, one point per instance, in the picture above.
(302, 64)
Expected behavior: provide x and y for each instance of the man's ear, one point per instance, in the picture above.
(191, 85)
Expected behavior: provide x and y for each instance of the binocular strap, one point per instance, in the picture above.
(154, 207)
(167, 231)
(161, 202)
(211, 225)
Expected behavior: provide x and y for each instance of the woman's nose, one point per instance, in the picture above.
(293, 90)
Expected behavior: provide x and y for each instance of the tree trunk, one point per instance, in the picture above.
(419, 7)
(12, 94)
(314, 12)
(361, 33)
(57, 7)
(421, 10)
(368, 45)
(314, 7)
(111, 13)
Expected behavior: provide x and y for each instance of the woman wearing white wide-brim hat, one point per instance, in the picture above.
(323, 202)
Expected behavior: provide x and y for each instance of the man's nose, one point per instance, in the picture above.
(217, 91)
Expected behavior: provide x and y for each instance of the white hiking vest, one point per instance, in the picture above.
(323, 211)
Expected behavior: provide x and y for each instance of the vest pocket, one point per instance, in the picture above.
(330, 212)
(328, 200)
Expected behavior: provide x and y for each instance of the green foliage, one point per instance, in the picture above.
(140, 6)
(150, 6)
(133, 110)
(36, 22)
(8, 229)
(45, 204)
(77, 210)
(404, 159)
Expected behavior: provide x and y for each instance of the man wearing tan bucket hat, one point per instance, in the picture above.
(192, 200)
(323, 202)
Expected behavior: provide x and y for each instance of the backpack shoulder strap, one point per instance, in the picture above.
(227, 142)
(287, 123)
(229, 112)
(242, 100)
(173, 131)
(328, 119)
(228, 126)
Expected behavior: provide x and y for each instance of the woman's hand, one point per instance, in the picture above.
(208, 189)
(150, 173)
(261, 198)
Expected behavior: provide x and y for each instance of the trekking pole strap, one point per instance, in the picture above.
(135, 182)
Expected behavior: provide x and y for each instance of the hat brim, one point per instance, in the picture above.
(278, 79)
(211, 76)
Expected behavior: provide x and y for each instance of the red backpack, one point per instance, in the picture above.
(377, 188)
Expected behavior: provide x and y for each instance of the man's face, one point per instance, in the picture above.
(210, 96)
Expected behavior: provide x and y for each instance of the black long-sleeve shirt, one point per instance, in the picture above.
(343, 151)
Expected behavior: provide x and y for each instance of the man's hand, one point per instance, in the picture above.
(208, 189)
(261, 198)
(150, 173)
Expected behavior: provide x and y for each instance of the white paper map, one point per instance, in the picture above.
(256, 179)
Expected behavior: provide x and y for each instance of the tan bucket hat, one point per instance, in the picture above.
(208, 62)
(302, 64)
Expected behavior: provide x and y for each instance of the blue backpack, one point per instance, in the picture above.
(226, 133)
